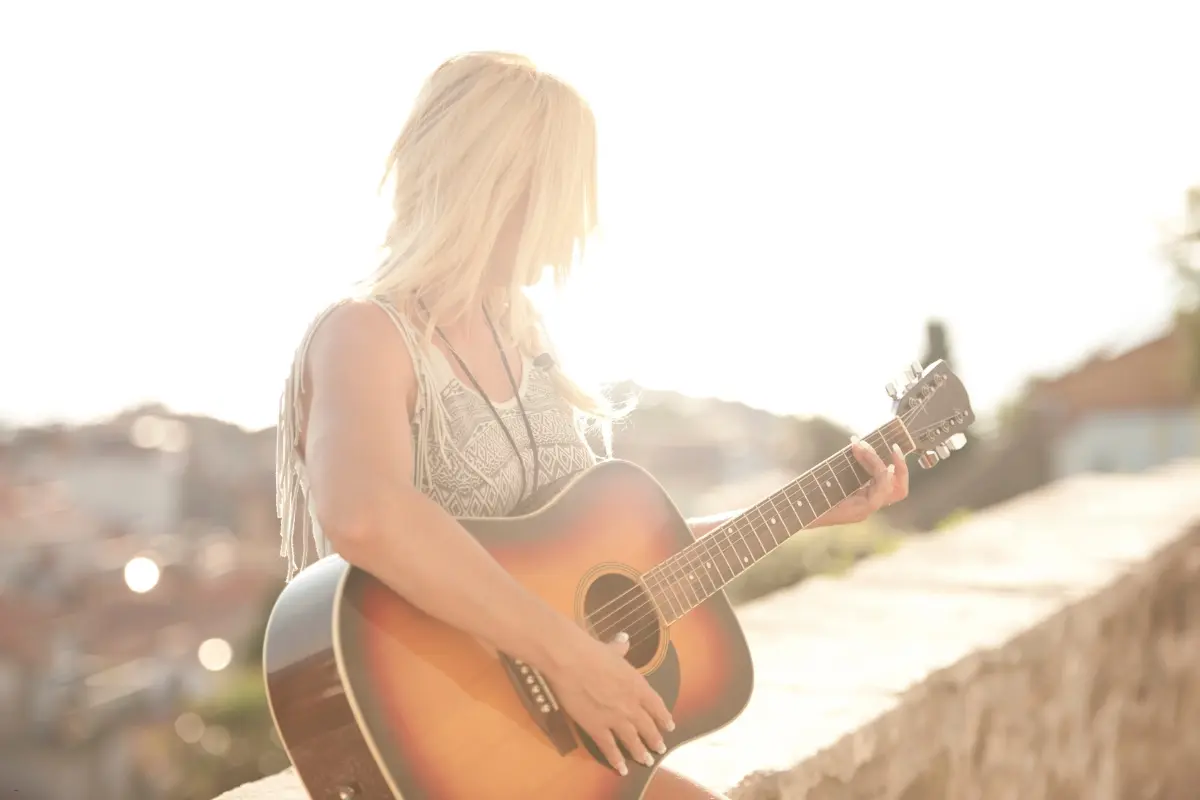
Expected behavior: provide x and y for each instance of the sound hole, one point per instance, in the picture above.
(615, 603)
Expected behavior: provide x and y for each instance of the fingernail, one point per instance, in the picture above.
(621, 637)
(896, 450)
(854, 440)
(648, 760)
(622, 769)
(891, 469)
(670, 725)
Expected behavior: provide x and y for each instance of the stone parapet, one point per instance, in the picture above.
(1047, 648)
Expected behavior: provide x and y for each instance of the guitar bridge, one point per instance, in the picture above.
(539, 701)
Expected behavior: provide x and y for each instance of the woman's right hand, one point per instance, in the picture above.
(611, 700)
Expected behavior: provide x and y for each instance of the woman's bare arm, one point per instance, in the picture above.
(359, 457)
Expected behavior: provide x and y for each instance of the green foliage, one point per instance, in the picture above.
(822, 551)
(953, 519)
(250, 654)
(238, 744)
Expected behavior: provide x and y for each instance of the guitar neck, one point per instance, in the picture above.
(700, 570)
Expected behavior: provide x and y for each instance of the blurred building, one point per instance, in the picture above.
(139, 554)
(1125, 413)
(715, 455)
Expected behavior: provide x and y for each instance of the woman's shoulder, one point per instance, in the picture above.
(358, 319)
(360, 331)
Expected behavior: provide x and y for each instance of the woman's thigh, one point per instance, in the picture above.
(668, 785)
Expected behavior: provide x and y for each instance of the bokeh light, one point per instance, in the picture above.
(215, 654)
(190, 727)
(141, 574)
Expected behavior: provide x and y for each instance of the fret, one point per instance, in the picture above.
(777, 528)
(703, 568)
(666, 605)
(677, 599)
(833, 470)
(691, 575)
(681, 572)
(899, 434)
(719, 555)
(758, 534)
(798, 499)
(711, 580)
(740, 546)
(820, 500)
(861, 476)
(708, 575)
(732, 535)
(828, 481)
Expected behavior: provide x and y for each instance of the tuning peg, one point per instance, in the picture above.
(957, 442)
(910, 374)
(893, 390)
(943, 451)
(916, 368)
(928, 460)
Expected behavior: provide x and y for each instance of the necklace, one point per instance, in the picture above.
(512, 381)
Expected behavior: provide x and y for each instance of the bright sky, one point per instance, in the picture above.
(788, 192)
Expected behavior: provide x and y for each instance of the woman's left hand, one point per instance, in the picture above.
(889, 484)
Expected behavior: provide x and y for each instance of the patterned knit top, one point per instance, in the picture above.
(462, 459)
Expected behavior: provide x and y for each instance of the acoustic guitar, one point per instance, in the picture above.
(373, 698)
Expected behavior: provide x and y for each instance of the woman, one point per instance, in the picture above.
(434, 396)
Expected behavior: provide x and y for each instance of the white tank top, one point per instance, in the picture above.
(463, 461)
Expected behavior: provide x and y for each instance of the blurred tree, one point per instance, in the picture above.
(937, 343)
(235, 741)
(250, 654)
(1182, 251)
(807, 441)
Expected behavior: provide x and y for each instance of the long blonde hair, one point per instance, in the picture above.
(490, 131)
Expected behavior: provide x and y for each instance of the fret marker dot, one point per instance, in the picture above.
(772, 520)
(708, 565)
(746, 559)
(691, 577)
(827, 483)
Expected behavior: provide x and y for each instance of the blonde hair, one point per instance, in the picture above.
(489, 132)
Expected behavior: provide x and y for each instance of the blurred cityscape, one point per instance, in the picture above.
(841, 174)
(141, 552)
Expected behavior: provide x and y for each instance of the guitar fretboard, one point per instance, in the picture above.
(700, 570)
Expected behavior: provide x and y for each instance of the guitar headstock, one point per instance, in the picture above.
(935, 408)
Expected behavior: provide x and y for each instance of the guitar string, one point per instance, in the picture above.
(669, 578)
(652, 614)
(707, 544)
(665, 582)
(700, 553)
(635, 634)
(800, 483)
(595, 617)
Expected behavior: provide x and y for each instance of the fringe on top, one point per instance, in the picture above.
(298, 526)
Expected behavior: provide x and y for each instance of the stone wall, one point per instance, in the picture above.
(1048, 648)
